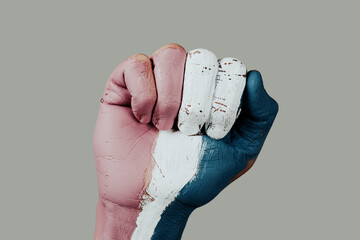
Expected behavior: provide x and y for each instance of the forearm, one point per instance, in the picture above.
(117, 222)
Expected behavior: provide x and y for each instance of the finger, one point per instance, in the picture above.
(229, 88)
(199, 83)
(116, 92)
(168, 62)
(257, 116)
(132, 83)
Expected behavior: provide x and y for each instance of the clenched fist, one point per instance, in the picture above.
(170, 135)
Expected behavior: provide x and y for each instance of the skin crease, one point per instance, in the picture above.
(138, 92)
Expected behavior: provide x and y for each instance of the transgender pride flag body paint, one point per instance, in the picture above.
(177, 156)
(144, 173)
(176, 160)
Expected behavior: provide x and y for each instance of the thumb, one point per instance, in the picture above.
(256, 118)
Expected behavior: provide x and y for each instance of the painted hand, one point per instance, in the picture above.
(151, 178)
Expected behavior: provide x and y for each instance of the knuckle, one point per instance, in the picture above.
(170, 51)
(139, 57)
(173, 46)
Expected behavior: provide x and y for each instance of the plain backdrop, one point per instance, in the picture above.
(56, 57)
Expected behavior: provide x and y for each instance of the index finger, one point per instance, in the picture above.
(169, 62)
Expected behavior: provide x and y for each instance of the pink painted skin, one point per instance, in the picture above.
(139, 91)
(143, 96)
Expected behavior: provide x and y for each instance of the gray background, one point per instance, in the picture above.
(55, 59)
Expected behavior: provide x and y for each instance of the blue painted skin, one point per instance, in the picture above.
(223, 159)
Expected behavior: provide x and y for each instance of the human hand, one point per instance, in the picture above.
(151, 178)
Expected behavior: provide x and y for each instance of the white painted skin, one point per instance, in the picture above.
(176, 158)
(198, 89)
(230, 84)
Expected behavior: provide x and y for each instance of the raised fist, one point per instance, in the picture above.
(170, 135)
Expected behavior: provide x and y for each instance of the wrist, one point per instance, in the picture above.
(119, 222)
(172, 222)
(114, 221)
